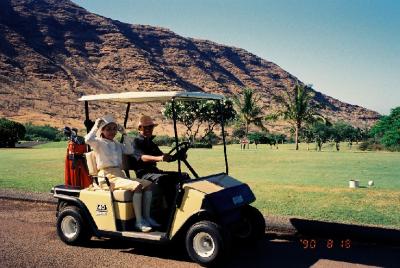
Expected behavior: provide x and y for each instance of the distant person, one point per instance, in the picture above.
(108, 155)
(146, 153)
(243, 143)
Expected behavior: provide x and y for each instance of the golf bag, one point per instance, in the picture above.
(76, 172)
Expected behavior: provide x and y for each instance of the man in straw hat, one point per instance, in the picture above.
(108, 155)
(147, 154)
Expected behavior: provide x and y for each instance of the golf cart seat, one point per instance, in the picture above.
(123, 195)
(119, 195)
(128, 163)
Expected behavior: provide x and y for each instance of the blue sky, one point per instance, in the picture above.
(348, 49)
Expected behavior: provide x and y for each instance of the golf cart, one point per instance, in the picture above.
(209, 211)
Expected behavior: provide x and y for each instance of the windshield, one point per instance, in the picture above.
(196, 125)
(199, 132)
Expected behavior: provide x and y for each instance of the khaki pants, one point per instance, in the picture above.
(119, 181)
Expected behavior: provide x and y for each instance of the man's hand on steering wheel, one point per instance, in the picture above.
(181, 150)
(168, 158)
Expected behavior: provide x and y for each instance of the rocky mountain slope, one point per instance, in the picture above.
(53, 51)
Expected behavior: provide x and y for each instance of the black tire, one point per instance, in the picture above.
(71, 228)
(251, 227)
(205, 243)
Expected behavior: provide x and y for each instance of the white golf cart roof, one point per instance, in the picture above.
(151, 96)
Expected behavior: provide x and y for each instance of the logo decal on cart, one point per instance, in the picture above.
(237, 199)
(101, 210)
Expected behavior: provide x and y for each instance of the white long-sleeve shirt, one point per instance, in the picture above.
(108, 153)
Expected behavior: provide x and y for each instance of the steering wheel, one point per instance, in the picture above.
(181, 149)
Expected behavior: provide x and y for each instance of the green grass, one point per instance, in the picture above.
(36, 169)
(60, 144)
(314, 184)
(286, 182)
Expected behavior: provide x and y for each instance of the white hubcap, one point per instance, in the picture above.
(69, 226)
(203, 244)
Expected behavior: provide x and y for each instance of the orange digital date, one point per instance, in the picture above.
(329, 243)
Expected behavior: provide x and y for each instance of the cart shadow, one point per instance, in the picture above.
(163, 251)
(369, 234)
(287, 251)
(274, 250)
(170, 251)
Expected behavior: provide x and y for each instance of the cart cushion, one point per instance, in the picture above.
(123, 195)
(91, 163)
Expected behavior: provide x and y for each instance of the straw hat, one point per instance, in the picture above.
(108, 119)
(145, 121)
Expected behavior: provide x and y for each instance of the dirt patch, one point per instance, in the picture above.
(28, 236)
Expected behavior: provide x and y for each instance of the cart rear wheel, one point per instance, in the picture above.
(71, 228)
(251, 227)
(205, 243)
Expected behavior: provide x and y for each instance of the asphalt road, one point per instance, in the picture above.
(28, 239)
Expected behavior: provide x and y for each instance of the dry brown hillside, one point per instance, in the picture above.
(53, 51)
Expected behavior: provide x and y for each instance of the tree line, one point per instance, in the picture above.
(296, 106)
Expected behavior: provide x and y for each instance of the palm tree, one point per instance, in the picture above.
(248, 109)
(297, 107)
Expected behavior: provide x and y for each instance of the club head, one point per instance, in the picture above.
(67, 131)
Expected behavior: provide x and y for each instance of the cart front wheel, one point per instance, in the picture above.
(71, 228)
(205, 243)
(251, 227)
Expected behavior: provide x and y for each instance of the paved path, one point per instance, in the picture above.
(28, 238)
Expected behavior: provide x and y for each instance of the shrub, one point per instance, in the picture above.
(211, 138)
(232, 141)
(10, 132)
(239, 132)
(370, 145)
(266, 138)
(164, 140)
(133, 133)
(387, 130)
(43, 133)
(391, 140)
(201, 145)
(258, 137)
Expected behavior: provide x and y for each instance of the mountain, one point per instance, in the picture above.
(53, 51)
